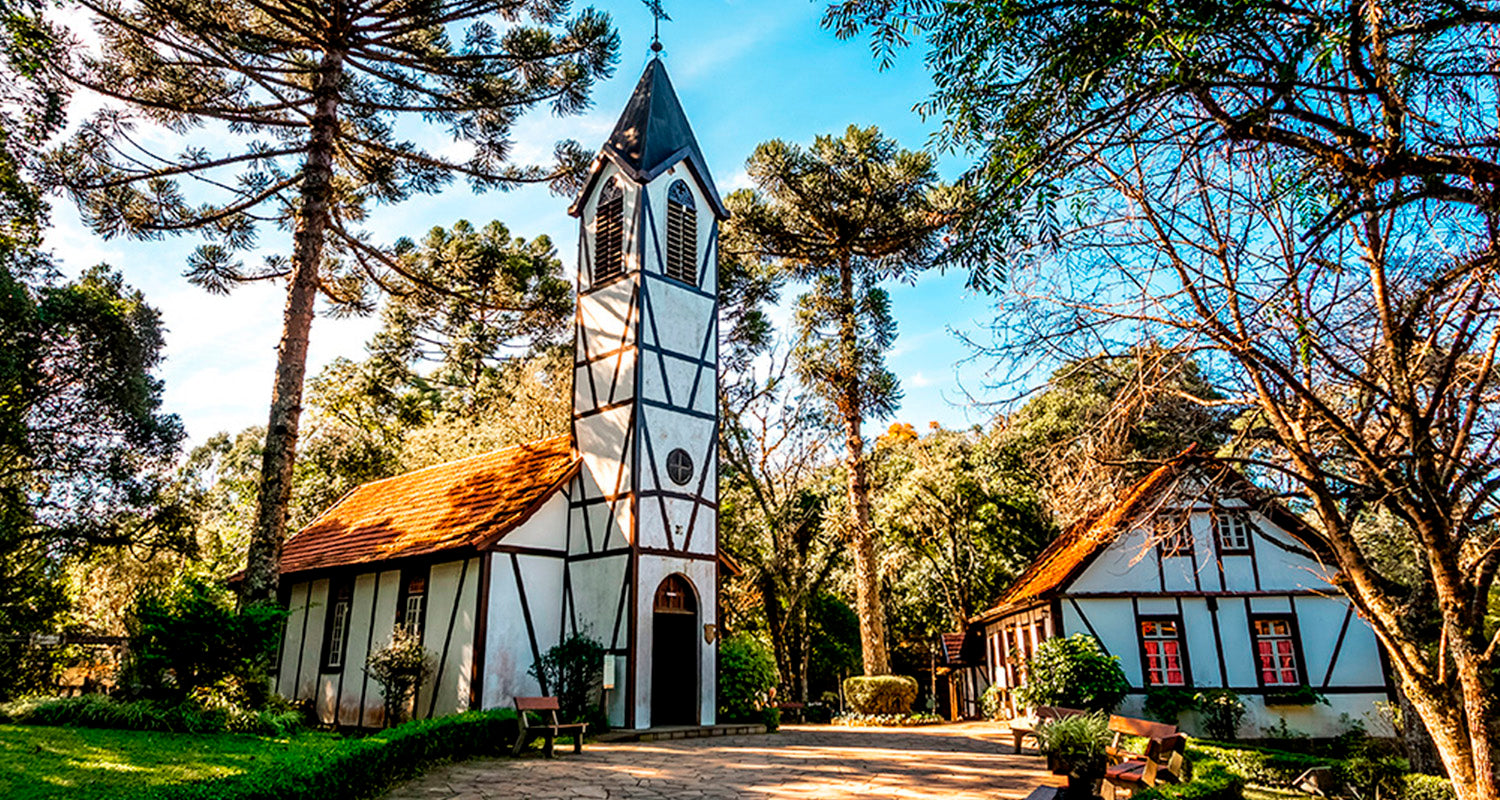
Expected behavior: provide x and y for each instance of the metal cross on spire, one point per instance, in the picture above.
(658, 14)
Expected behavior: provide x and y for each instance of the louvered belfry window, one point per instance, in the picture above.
(682, 234)
(609, 234)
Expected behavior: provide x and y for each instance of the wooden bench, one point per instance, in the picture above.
(549, 729)
(1022, 727)
(793, 711)
(1129, 770)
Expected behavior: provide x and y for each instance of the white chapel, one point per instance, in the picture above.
(610, 531)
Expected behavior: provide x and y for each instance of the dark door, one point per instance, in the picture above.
(674, 654)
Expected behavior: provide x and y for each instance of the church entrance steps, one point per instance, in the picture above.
(680, 732)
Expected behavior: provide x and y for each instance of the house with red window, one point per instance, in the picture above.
(1196, 579)
(609, 531)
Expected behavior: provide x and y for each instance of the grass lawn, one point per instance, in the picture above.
(44, 762)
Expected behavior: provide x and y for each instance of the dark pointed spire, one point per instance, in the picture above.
(652, 135)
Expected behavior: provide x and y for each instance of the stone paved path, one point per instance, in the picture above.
(965, 762)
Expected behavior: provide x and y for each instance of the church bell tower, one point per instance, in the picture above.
(642, 572)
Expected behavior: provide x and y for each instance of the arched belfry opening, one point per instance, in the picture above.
(674, 653)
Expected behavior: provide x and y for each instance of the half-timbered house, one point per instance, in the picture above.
(610, 531)
(1198, 580)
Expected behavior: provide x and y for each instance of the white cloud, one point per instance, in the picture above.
(919, 380)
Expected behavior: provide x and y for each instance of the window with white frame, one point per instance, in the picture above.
(413, 602)
(1174, 533)
(336, 635)
(1161, 646)
(1276, 652)
(1233, 529)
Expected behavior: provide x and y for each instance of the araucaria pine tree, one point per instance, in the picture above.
(845, 215)
(291, 114)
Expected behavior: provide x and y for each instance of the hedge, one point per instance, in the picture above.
(880, 694)
(101, 711)
(1427, 787)
(1278, 768)
(359, 768)
(1265, 767)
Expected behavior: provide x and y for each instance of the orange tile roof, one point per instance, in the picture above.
(464, 503)
(1071, 552)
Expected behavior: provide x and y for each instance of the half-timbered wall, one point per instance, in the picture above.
(345, 695)
(645, 422)
(1213, 595)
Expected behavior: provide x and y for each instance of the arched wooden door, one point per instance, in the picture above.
(674, 653)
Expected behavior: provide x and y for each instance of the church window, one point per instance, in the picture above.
(336, 630)
(1161, 646)
(609, 234)
(679, 466)
(682, 234)
(675, 596)
(1233, 529)
(413, 600)
(1276, 652)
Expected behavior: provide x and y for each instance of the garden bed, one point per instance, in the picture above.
(887, 720)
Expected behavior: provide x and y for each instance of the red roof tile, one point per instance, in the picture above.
(1071, 552)
(464, 503)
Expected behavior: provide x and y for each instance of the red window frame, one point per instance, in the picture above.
(1278, 651)
(1164, 659)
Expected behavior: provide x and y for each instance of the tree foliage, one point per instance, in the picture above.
(844, 215)
(289, 115)
(85, 450)
(1303, 194)
(1073, 672)
(961, 518)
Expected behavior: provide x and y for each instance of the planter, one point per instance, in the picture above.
(1081, 787)
(1300, 696)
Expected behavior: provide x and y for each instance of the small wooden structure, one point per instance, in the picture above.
(550, 728)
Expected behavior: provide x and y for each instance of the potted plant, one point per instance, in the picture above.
(1075, 747)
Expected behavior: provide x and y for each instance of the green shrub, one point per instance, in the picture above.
(573, 672)
(1427, 787)
(1168, 703)
(1210, 779)
(880, 694)
(191, 638)
(1261, 766)
(747, 674)
(1077, 742)
(399, 667)
(1073, 672)
(771, 718)
(887, 720)
(98, 711)
(818, 713)
(1222, 712)
(990, 703)
(359, 768)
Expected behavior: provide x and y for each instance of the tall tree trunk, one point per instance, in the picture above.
(866, 566)
(262, 569)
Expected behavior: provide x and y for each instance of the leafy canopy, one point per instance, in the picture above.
(262, 93)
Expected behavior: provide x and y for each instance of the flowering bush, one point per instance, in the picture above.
(887, 720)
(399, 667)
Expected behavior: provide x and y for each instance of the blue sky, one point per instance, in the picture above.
(746, 71)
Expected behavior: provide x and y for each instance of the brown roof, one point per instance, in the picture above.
(1076, 548)
(471, 502)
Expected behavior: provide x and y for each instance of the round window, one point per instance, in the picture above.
(679, 466)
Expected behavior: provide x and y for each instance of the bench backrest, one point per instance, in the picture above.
(537, 704)
(1129, 726)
